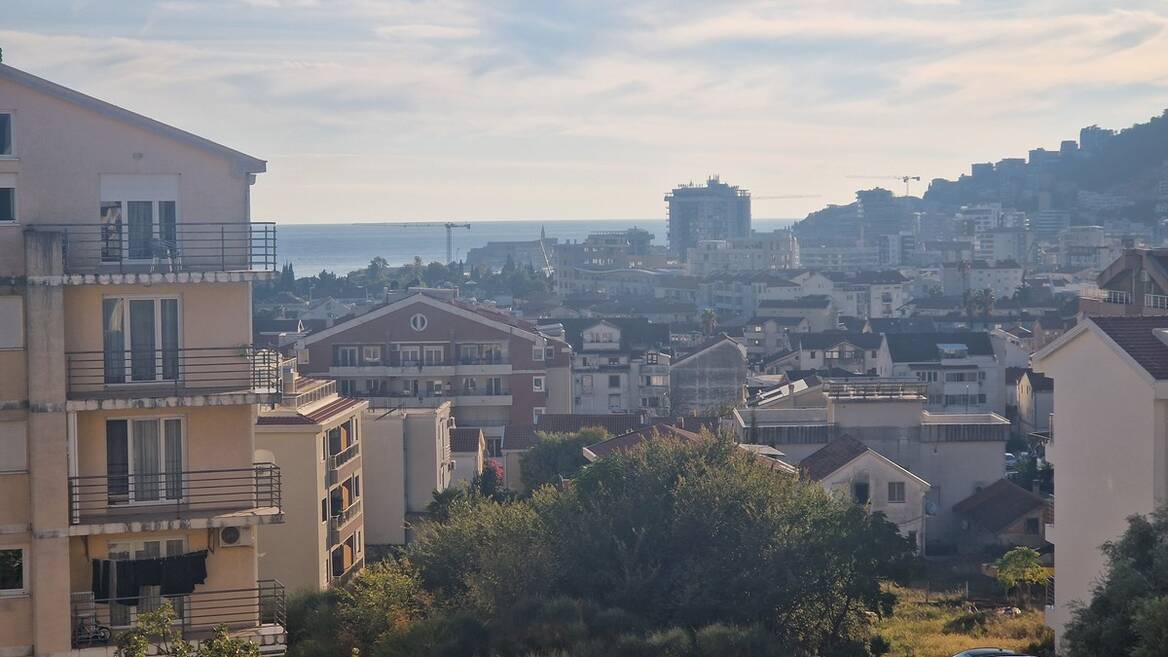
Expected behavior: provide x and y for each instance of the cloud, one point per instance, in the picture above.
(598, 107)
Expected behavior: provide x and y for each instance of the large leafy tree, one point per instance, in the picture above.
(1128, 612)
(556, 456)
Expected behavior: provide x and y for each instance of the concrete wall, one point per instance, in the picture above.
(1108, 455)
(294, 552)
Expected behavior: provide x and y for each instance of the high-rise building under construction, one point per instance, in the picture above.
(714, 211)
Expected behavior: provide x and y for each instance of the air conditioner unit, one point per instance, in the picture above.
(236, 537)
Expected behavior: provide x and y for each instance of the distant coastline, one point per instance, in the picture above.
(343, 247)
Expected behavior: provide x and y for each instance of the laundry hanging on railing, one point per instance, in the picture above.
(176, 575)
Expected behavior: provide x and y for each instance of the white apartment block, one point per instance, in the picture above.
(961, 370)
(1109, 446)
(1003, 279)
(759, 252)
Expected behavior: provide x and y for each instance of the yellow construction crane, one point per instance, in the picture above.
(449, 226)
(904, 179)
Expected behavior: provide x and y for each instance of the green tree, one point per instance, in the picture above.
(1128, 610)
(709, 321)
(158, 628)
(1019, 570)
(557, 455)
(387, 596)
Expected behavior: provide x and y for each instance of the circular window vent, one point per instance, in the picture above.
(419, 322)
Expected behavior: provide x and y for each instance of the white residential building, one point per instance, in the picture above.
(1110, 443)
(961, 370)
(1003, 279)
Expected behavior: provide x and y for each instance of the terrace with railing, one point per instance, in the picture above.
(182, 247)
(145, 496)
(170, 371)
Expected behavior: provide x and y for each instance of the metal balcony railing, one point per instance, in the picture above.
(1157, 301)
(339, 520)
(347, 573)
(129, 247)
(129, 496)
(198, 613)
(337, 460)
(146, 372)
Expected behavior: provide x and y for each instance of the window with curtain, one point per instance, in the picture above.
(144, 460)
(147, 332)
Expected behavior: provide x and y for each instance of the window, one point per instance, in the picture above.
(537, 353)
(144, 460)
(371, 354)
(346, 356)
(536, 412)
(432, 355)
(149, 596)
(13, 447)
(537, 384)
(5, 134)
(813, 353)
(11, 571)
(614, 360)
(347, 386)
(410, 356)
(495, 447)
(140, 338)
(495, 385)
(896, 491)
(7, 203)
(614, 381)
(11, 323)
(586, 382)
(860, 492)
(419, 322)
(614, 401)
(549, 353)
(656, 380)
(1032, 526)
(651, 358)
(142, 229)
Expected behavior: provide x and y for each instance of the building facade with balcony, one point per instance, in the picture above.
(617, 364)
(961, 370)
(126, 407)
(314, 436)
(418, 351)
(1136, 283)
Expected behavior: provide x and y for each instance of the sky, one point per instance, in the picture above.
(506, 109)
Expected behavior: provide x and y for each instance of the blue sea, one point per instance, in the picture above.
(341, 248)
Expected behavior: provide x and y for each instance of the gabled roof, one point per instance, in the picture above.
(466, 439)
(497, 320)
(778, 321)
(1137, 337)
(635, 332)
(706, 346)
(829, 339)
(831, 457)
(901, 324)
(777, 356)
(635, 438)
(922, 347)
(998, 505)
(1039, 382)
(321, 415)
(246, 162)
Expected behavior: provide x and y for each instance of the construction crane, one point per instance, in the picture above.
(449, 226)
(903, 179)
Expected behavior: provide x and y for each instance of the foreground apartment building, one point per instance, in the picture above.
(129, 387)
(1109, 444)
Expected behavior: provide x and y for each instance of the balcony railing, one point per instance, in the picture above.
(184, 494)
(338, 460)
(339, 520)
(348, 573)
(1158, 301)
(171, 371)
(122, 248)
(198, 613)
(395, 359)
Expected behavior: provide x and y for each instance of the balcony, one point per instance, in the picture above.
(347, 573)
(341, 519)
(172, 372)
(337, 460)
(396, 365)
(259, 614)
(180, 252)
(431, 400)
(189, 498)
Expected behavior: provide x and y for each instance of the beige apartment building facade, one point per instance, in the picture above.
(129, 390)
(314, 436)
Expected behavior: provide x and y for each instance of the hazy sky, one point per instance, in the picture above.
(504, 109)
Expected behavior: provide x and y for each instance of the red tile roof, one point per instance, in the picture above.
(466, 439)
(319, 416)
(998, 505)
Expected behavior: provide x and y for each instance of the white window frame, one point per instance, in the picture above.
(353, 360)
(411, 354)
(8, 181)
(127, 336)
(25, 571)
(371, 353)
(130, 445)
(538, 384)
(427, 355)
(536, 412)
(903, 492)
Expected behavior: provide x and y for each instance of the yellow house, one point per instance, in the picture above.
(129, 388)
(314, 436)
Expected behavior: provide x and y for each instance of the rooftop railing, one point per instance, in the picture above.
(125, 496)
(130, 247)
(145, 372)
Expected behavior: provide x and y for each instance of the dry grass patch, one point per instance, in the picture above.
(947, 624)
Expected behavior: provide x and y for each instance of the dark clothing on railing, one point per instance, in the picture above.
(175, 575)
